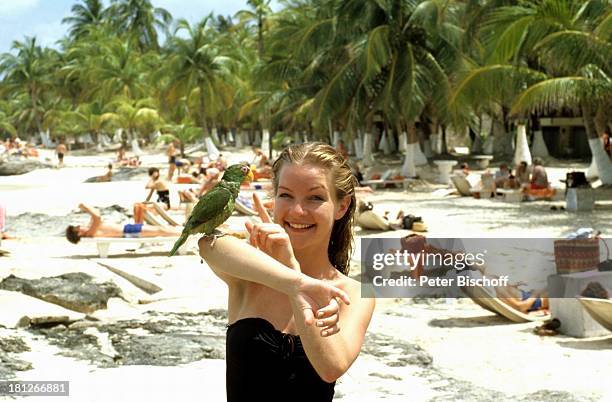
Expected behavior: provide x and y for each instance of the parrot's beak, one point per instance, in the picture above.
(249, 177)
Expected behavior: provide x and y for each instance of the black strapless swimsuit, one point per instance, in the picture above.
(264, 363)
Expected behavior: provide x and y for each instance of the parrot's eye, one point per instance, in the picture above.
(244, 169)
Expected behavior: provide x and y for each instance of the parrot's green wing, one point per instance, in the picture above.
(211, 211)
(211, 206)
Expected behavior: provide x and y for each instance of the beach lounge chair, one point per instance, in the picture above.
(164, 214)
(462, 185)
(493, 304)
(599, 309)
(244, 205)
(103, 243)
(152, 219)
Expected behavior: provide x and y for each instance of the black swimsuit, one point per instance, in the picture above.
(264, 363)
(164, 196)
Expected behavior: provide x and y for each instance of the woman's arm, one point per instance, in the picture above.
(331, 356)
(234, 258)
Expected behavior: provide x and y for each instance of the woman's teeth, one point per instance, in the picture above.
(298, 226)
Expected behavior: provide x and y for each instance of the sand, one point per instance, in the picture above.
(476, 355)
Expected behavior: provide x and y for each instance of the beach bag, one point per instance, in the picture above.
(576, 255)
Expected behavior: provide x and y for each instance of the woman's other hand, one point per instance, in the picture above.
(312, 295)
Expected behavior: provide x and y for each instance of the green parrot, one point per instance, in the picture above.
(216, 205)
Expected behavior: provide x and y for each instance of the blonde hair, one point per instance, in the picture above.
(324, 156)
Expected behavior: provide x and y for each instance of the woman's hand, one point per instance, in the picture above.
(271, 238)
(311, 295)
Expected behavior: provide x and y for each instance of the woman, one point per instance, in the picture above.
(159, 185)
(284, 340)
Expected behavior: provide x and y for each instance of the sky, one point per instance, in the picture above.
(43, 18)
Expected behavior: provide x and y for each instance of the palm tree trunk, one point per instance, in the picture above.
(408, 167)
(601, 159)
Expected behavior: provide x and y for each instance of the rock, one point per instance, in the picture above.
(12, 345)
(19, 310)
(75, 291)
(20, 166)
(155, 340)
(395, 352)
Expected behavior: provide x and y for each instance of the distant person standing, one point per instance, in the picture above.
(171, 152)
(61, 151)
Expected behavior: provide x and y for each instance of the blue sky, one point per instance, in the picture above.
(43, 18)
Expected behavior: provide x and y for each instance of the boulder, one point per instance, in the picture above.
(20, 166)
(75, 291)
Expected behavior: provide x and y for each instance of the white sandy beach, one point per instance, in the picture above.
(476, 355)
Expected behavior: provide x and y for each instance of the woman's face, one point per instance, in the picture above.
(305, 205)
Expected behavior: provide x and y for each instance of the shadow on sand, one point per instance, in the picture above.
(469, 322)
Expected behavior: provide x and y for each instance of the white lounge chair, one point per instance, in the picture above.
(599, 309)
(493, 304)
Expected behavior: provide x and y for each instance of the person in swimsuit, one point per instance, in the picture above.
(171, 152)
(159, 185)
(297, 321)
(61, 150)
(97, 228)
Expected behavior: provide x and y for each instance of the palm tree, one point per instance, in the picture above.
(84, 16)
(260, 9)
(6, 120)
(135, 117)
(28, 76)
(547, 54)
(140, 19)
(195, 69)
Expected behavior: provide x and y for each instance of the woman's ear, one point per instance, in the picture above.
(344, 205)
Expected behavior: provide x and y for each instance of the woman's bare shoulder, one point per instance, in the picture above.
(355, 289)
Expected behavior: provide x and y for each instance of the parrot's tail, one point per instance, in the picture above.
(181, 240)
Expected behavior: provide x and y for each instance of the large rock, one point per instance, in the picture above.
(8, 364)
(21, 166)
(75, 291)
(169, 339)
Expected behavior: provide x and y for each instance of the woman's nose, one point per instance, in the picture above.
(297, 208)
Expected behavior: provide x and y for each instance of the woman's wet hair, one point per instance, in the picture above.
(326, 157)
(72, 234)
(153, 170)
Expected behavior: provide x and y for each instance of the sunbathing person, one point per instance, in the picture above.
(213, 176)
(158, 184)
(108, 176)
(97, 228)
(522, 174)
(539, 178)
(502, 176)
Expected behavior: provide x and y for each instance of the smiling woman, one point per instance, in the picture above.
(289, 292)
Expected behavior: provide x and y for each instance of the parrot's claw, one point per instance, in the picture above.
(216, 234)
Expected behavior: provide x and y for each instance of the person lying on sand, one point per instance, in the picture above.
(97, 228)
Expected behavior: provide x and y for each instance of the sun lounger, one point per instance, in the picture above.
(164, 214)
(152, 219)
(103, 243)
(599, 309)
(462, 185)
(243, 206)
(489, 302)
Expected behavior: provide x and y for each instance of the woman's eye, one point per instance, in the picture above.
(283, 195)
(317, 197)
